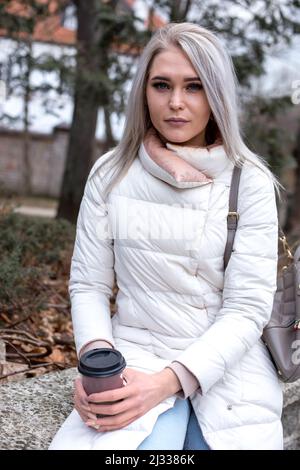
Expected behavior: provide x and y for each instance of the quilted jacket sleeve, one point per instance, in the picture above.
(92, 273)
(189, 383)
(249, 285)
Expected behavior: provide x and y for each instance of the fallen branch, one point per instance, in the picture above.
(59, 365)
(6, 319)
(21, 332)
(23, 308)
(18, 352)
(10, 335)
(58, 306)
(27, 317)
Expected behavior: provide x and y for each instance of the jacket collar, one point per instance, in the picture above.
(211, 160)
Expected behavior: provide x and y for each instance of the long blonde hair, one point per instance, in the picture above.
(214, 67)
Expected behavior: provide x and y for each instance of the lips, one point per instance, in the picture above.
(176, 123)
(176, 120)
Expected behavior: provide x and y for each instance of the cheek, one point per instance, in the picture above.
(151, 95)
(201, 108)
(155, 105)
(155, 99)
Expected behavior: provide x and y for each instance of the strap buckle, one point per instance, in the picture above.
(233, 214)
(286, 248)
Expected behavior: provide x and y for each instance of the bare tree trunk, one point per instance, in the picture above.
(27, 183)
(110, 141)
(179, 10)
(87, 100)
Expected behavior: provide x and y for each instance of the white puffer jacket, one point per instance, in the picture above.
(174, 302)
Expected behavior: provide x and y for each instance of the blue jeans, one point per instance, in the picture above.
(194, 439)
(176, 429)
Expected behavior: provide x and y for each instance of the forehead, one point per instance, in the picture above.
(171, 62)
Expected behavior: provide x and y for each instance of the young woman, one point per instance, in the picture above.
(154, 215)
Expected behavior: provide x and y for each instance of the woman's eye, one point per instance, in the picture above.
(195, 86)
(160, 85)
(163, 86)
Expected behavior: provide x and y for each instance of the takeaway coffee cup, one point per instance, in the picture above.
(101, 370)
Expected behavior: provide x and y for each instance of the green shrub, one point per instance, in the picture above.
(31, 247)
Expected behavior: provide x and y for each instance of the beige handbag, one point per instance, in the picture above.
(282, 334)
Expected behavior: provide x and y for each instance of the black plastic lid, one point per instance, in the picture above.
(101, 362)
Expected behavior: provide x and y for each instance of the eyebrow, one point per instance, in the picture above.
(186, 79)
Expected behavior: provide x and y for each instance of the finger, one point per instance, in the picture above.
(86, 417)
(112, 409)
(83, 411)
(81, 403)
(94, 425)
(79, 388)
(119, 419)
(111, 395)
(81, 396)
(128, 374)
(80, 391)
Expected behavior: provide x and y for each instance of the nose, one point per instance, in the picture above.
(176, 101)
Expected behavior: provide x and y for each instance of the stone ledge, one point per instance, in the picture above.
(291, 416)
(32, 410)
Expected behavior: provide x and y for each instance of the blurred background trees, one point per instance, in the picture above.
(102, 29)
(96, 73)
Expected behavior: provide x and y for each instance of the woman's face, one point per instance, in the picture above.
(170, 95)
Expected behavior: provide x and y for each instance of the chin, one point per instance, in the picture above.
(177, 140)
(174, 139)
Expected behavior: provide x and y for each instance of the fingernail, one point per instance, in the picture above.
(87, 411)
(91, 422)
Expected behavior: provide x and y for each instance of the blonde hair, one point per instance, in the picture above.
(215, 69)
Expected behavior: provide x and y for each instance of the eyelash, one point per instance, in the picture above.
(157, 85)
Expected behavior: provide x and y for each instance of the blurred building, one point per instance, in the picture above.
(50, 118)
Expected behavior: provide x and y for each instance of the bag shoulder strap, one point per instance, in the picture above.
(233, 216)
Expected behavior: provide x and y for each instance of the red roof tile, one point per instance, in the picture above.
(50, 29)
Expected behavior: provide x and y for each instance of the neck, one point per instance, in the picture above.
(202, 141)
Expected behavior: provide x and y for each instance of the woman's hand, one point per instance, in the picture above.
(81, 403)
(141, 393)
